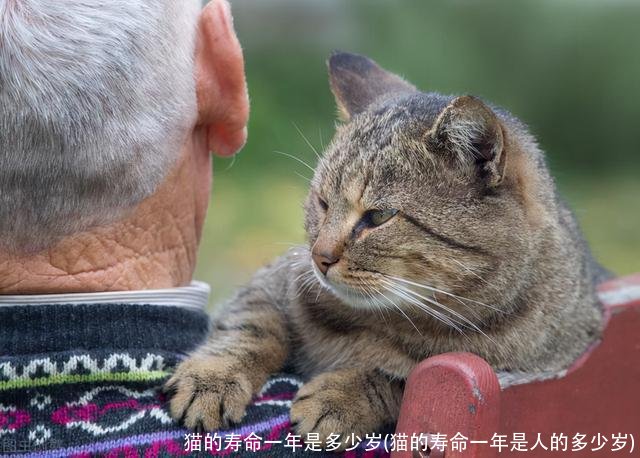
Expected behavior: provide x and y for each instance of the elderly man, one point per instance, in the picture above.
(108, 113)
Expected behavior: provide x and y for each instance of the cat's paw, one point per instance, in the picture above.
(335, 403)
(208, 392)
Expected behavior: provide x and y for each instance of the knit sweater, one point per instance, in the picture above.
(84, 380)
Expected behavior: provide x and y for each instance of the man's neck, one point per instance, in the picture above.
(91, 263)
(152, 248)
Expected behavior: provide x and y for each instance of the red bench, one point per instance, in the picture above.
(598, 397)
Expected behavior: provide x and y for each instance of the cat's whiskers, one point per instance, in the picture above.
(321, 138)
(302, 275)
(456, 298)
(466, 306)
(313, 148)
(295, 264)
(295, 158)
(319, 290)
(306, 286)
(394, 288)
(375, 295)
(475, 274)
(446, 293)
(370, 293)
(433, 301)
(308, 281)
(466, 321)
(307, 179)
(384, 296)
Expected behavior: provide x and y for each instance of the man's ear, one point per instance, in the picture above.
(471, 132)
(223, 102)
(357, 81)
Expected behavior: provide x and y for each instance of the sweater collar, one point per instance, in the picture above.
(194, 296)
(147, 320)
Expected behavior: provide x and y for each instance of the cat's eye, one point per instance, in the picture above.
(323, 203)
(378, 217)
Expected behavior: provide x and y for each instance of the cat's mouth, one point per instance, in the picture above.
(358, 292)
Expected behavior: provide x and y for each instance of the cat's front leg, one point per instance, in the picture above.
(213, 387)
(347, 401)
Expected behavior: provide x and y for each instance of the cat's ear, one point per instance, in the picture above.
(470, 130)
(357, 81)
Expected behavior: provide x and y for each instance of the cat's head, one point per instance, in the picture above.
(420, 196)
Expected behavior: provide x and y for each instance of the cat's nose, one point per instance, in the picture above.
(324, 261)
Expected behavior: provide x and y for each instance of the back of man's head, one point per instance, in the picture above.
(95, 100)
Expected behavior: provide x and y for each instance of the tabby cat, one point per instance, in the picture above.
(433, 226)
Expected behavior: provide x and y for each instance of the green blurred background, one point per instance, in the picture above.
(569, 68)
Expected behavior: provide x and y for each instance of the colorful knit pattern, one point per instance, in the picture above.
(95, 402)
(81, 405)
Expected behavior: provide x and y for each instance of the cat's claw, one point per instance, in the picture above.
(325, 407)
(208, 392)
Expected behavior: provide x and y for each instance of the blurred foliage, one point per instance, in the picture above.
(568, 68)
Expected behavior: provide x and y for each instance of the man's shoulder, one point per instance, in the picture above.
(97, 403)
(78, 402)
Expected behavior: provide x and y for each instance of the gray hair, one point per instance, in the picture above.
(95, 100)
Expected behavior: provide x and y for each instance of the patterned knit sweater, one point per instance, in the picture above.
(84, 380)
